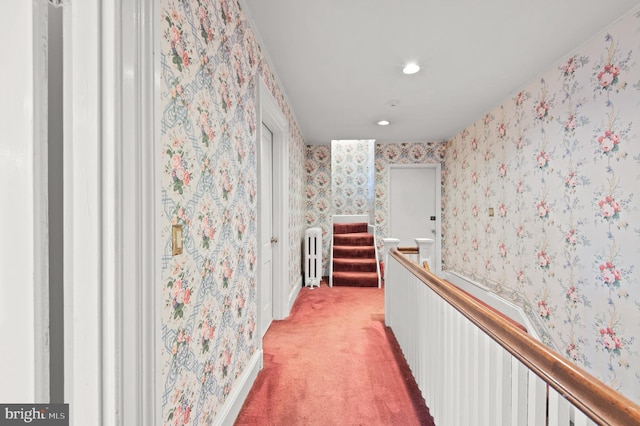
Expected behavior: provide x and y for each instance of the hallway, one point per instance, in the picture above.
(333, 361)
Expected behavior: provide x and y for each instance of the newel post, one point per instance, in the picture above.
(388, 245)
(426, 253)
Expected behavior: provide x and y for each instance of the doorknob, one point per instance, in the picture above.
(274, 240)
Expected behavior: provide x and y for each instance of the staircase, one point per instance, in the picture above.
(354, 260)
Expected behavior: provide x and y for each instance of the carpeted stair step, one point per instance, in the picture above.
(359, 239)
(354, 265)
(354, 256)
(341, 252)
(350, 228)
(355, 279)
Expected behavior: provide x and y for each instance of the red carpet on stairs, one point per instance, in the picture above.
(333, 362)
(354, 256)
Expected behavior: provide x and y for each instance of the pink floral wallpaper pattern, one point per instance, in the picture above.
(319, 201)
(210, 63)
(351, 172)
(558, 163)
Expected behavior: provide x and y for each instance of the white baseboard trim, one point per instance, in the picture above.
(238, 395)
(483, 293)
(293, 295)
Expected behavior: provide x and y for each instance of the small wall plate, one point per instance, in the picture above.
(176, 240)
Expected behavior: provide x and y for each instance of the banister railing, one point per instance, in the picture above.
(408, 250)
(460, 350)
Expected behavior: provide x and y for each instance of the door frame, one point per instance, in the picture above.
(270, 114)
(265, 223)
(111, 200)
(25, 246)
(437, 268)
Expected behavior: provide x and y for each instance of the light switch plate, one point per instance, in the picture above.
(176, 240)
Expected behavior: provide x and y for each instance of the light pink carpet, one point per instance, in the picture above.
(333, 362)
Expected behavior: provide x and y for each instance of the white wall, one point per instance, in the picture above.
(22, 320)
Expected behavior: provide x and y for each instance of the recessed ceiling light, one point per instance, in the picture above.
(411, 68)
(383, 122)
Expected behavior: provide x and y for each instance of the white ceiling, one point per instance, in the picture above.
(340, 61)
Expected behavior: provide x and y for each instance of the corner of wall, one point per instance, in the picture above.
(240, 391)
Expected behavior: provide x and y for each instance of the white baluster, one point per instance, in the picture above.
(579, 418)
(519, 387)
(558, 409)
(503, 405)
(463, 374)
(485, 395)
(537, 399)
(473, 368)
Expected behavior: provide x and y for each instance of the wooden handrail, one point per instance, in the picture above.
(599, 402)
(408, 250)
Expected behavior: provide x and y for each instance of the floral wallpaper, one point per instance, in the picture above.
(558, 163)
(351, 186)
(318, 195)
(210, 63)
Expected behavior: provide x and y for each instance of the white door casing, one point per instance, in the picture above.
(269, 113)
(266, 229)
(414, 199)
(24, 315)
(111, 198)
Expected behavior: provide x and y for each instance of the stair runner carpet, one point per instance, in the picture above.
(354, 256)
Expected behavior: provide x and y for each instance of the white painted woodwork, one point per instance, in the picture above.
(24, 358)
(463, 374)
(84, 350)
(388, 244)
(40, 188)
(137, 183)
(233, 403)
(483, 293)
(266, 229)
(111, 197)
(558, 405)
(426, 251)
(350, 218)
(271, 115)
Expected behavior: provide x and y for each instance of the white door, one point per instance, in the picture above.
(266, 228)
(412, 203)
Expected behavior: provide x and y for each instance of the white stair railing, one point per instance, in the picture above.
(470, 372)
